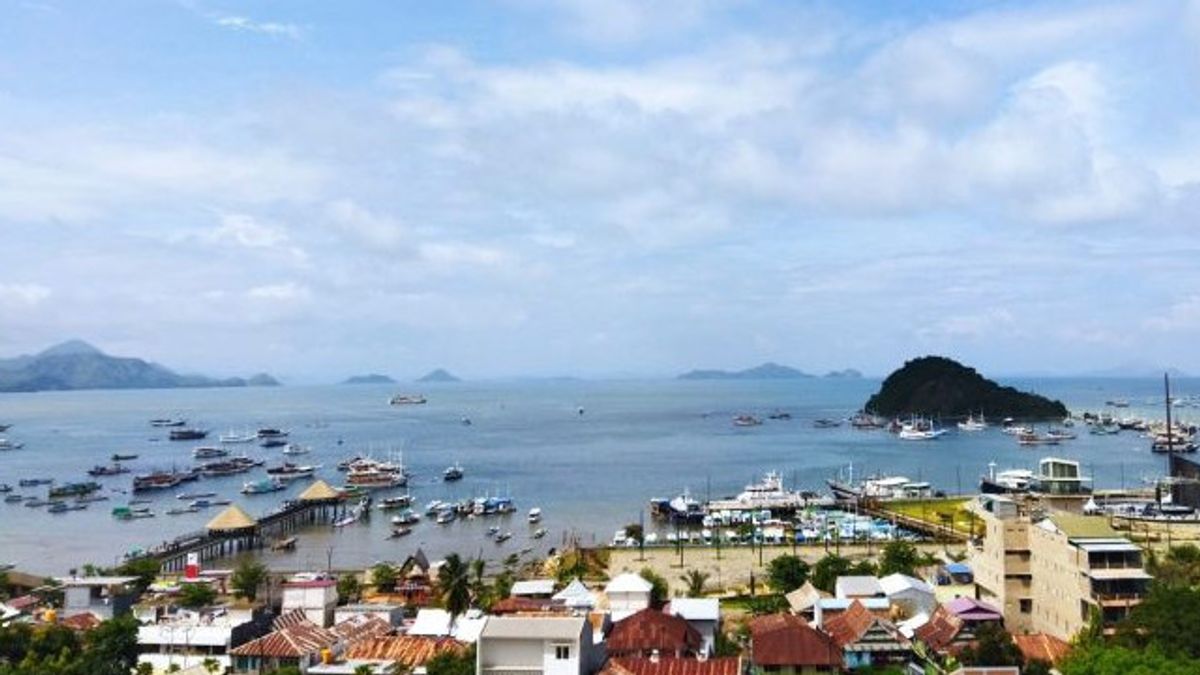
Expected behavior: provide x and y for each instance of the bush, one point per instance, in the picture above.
(787, 573)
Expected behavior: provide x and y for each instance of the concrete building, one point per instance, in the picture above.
(317, 598)
(104, 597)
(911, 595)
(393, 614)
(185, 638)
(851, 587)
(537, 645)
(702, 614)
(627, 593)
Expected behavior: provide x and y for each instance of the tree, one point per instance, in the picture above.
(348, 588)
(695, 580)
(1104, 659)
(194, 596)
(365, 669)
(636, 533)
(144, 668)
(1168, 618)
(767, 604)
(246, 579)
(479, 589)
(827, 570)
(452, 663)
(787, 573)
(213, 666)
(1179, 567)
(112, 647)
(899, 557)
(383, 578)
(454, 586)
(864, 568)
(145, 569)
(659, 590)
(993, 646)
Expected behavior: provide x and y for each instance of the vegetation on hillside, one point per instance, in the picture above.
(935, 386)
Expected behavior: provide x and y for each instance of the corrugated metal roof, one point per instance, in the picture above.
(624, 665)
(1042, 647)
(361, 627)
(1108, 547)
(787, 640)
(533, 627)
(650, 630)
(696, 609)
(407, 650)
(628, 583)
(1119, 573)
(533, 587)
(857, 587)
(296, 641)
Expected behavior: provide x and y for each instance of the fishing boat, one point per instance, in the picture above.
(535, 515)
(181, 510)
(234, 437)
(453, 473)
(74, 489)
(88, 499)
(167, 422)
(407, 399)
(6, 444)
(780, 415)
(865, 420)
(187, 434)
(194, 495)
(206, 503)
(397, 502)
(503, 537)
(295, 449)
(1031, 438)
(406, 517)
(122, 458)
(271, 432)
(34, 482)
(446, 515)
(273, 443)
(209, 452)
(1011, 481)
(746, 421)
(919, 430)
(230, 467)
(113, 470)
(971, 424)
(265, 486)
(1060, 434)
(63, 507)
(159, 480)
(398, 532)
(13, 499)
(538, 533)
(5, 488)
(289, 471)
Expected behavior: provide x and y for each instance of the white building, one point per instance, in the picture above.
(533, 588)
(186, 638)
(104, 597)
(703, 614)
(849, 587)
(912, 595)
(537, 645)
(627, 594)
(576, 595)
(393, 614)
(317, 598)
(433, 622)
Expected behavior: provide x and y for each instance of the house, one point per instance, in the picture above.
(302, 643)
(393, 614)
(415, 586)
(974, 611)
(401, 653)
(186, 638)
(625, 665)
(316, 597)
(627, 593)
(850, 587)
(910, 595)
(786, 644)
(827, 608)
(702, 614)
(867, 640)
(651, 632)
(803, 600)
(106, 597)
(945, 632)
(537, 645)
(576, 595)
(432, 622)
(1042, 647)
(533, 588)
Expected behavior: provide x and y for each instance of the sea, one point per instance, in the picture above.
(589, 454)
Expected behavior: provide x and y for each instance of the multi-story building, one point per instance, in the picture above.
(1002, 562)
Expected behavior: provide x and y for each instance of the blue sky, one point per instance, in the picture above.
(601, 187)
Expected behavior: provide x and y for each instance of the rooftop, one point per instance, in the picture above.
(651, 630)
(319, 492)
(1042, 647)
(696, 609)
(857, 587)
(898, 583)
(533, 627)
(407, 651)
(1083, 527)
(787, 640)
(627, 665)
(628, 583)
(232, 518)
(533, 587)
(103, 582)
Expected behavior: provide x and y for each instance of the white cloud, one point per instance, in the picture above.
(378, 231)
(287, 292)
(625, 21)
(22, 296)
(246, 231)
(1183, 315)
(271, 28)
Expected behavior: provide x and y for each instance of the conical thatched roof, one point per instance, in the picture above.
(319, 492)
(232, 518)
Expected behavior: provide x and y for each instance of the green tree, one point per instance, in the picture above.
(348, 588)
(659, 590)
(993, 646)
(195, 596)
(144, 668)
(213, 666)
(1179, 567)
(365, 669)
(1105, 659)
(1168, 618)
(454, 586)
(899, 556)
(767, 604)
(695, 580)
(864, 568)
(383, 578)
(826, 571)
(247, 578)
(112, 647)
(636, 533)
(145, 569)
(787, 573)
(452, 663)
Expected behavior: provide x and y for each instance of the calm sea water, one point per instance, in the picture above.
(589, 473)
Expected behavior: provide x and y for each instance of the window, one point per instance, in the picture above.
(1026, 606)
(562, 652)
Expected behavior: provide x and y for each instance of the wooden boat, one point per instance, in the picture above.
(287, 544)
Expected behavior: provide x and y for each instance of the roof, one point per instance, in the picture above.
(533, 587)
(1042, 647)
(295, 642)
(696, 609)
(232, 518)
(522, 605)
(788, 640)
(1102, 546)
(310, 583)
(408, 651)
(909, 626)
(851, 625)
(973, 610)
(898, 583)
(857, 586)
(958, 568)
(628, 665)
(941, 630)
(1120, 573)
(841, 604)
(1083, 527)
(436, 623)
(290, 618)
(649, 630)
(81, 622)
(319, 492)
(576, 594)
(628, 583)
(803, 598)
(96, 581)
(361, 627)
(533, 627)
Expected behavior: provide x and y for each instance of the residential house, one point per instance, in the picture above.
(533, 588)
(402, 653)
(786, 644)
(851, 587)
(431, 622)
(316, 597)
(106, 597)
(393, 614)
(627, 593)
(576, 595)
(702, 614)
(651, 632)
(1042, 647)
(827, 608)
(867, 640)
(974, 611)
(302, 644)
(537, 645)
(626, 665)
(909, 596)
(945, 632)
(182, 638)
(803, 600)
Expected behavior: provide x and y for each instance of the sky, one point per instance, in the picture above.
(601, 187)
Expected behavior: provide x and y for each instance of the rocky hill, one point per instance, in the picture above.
(439, 375)
(938, 386)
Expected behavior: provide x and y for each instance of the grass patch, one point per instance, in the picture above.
(949, 513)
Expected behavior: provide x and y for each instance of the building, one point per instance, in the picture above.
(702, 614)
(909, 595)
(730, 665)
(316, 597)
(533, 588)
(432, 622)
(1041, 647)
(787, 645)
(827, 608)
(105, 597)
(400, 653)
(866, 640)
(653, 633)
(627, 593)
(301, 643)
(576, 595)
(186, 638)
(974, 611)
(850, 587)
(944, 632)
(393, 614)
(537, 645)
(1002, 561)
(803, 600)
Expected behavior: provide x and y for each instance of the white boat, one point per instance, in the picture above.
(446, 515)
(972, 424)
(535, 515)
(919, 430)
(398, 502)
(1011, 481)
(260, 487)
(406, 517)
(6, 444)
(234, 437)
(538, 533)
(295, 449)
(406, 399)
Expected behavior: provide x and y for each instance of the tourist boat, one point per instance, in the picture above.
(271, 432)
(229, 467)
(453, 473)
(194, 495)
(74, 489)
(877, 487)
(746, 421)
(1031, 438)
(971, 424)
(159, 480)
(826, 423)
(503, 537)
(538, 533)
(535, 515)
(1060, 434)
(345, 464)
(122, 458)
(234, 437)
(406, 399)
(6, 444)
(406, 517)
(375, 477)
(209, 452)
(114, 470)
(288, 471)
(446, 515)
(398, 532)
(167, 422)
(398, 502)
(1011, 481)
(919, 430)
(295, 449)
(187, 434)
(34, 482)
(865, 420)
(261, 487)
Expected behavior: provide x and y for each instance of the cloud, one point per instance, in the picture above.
(377, 231)
(246, 231)
(1182, 315)
(287, 292)
(270, 28)
(614, 22)
(22, 296)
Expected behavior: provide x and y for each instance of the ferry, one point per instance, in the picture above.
(187, 434)
(878, 487)
(407, 399)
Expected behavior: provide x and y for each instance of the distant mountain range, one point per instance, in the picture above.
(373, 378)
(767, 371)
(76, 364)
(438, 375)
(845, 374)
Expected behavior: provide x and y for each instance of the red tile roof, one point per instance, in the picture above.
(650, 630)
(1042, 647)
(942, 629)
(361, 627)
(291, 618)
(81, 622)
(408, 651)
(787, 640)
(850, 626)
(520, 605)
(294, 642)
(627, 665)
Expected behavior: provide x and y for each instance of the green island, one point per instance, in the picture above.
(935, 386)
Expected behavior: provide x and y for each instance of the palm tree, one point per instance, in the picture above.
(478, 588)
(454, 586)
(696, 581)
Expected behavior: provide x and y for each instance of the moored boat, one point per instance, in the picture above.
(74, 489)
(453, 473)
(209, 452)
(112, 470)
(406, 399)
(187, 434)
(260, 487)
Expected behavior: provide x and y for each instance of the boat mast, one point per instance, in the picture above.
(1167, 388)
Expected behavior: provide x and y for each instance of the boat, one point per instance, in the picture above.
(179, 511)
(972, 424)
(205, 503)
(295, 449)
(398, 502)
(88, 499)
(273, 443)
(187, 434)
(159, 480)
(271, 432)
(1099, 429)
(34, 482)
(6, 444)
(446, 515)
(406, 517)
(230, 467)
(5, 427)
(1117, 403)
(167, 422)
(5, 488)
(1011, 481)
(113, 470)
(376, 475)
(285, 544)
(746, 421)
(74, 489)
(234, 437)
(780, 415)
(878, 487)
(63, 507)
(1060, 434)
(826, 423)
(535, 515)
(209, 452)
(398, 532)
(185, 496)
(260, 487)
(407, 399)
(1032, 438)
(13, 499)
(919, 430)
(503, 537)
(287, 470)
(453, 473)
(865, 420)
(538, 533)
(122, 458)
(355, 514)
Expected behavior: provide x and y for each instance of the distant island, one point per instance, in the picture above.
(438, 375)
(372, 378)
(845, 374)
(76, 364)
(767, 371)
(938, 386)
